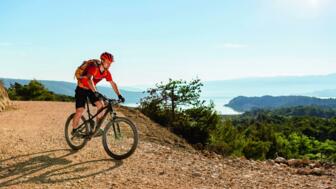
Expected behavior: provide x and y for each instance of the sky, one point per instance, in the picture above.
(154, 40)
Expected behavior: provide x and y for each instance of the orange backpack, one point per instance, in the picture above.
(80, 70)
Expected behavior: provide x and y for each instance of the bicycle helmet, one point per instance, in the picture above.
(106, 56)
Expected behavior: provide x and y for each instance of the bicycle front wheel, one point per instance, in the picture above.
(120, 138)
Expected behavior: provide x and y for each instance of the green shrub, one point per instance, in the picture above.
(226, 139)
(34, 90)
(261, 134)
(256, 149)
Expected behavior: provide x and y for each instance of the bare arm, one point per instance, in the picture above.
(115, 87)
(91, 84)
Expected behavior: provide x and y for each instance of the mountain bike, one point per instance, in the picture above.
(120, 136)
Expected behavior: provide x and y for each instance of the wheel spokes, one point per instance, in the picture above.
(120, 137)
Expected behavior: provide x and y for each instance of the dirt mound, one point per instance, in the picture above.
(152, 131)
(4, 99)
(34, 154)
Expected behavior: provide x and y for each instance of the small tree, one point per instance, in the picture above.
(177, 104)
(171, 96)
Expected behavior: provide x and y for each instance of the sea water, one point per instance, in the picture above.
(219, 103)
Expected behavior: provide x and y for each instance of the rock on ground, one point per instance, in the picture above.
(34, 154)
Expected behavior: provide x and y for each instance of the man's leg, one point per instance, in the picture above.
(78, 115)
(80, 96)
(99, 104)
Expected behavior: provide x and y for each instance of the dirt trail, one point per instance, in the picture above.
(34, 154)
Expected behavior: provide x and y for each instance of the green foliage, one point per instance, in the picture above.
(299, 145)
(176, 105)
(171, 96)
(256, 149)
(154, 109)
(328, 150)
(299, 111)
(195, 123)
(297, 132)
(282, 145)
(226, 139)
(34, 90)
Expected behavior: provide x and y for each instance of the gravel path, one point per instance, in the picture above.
(34, 154)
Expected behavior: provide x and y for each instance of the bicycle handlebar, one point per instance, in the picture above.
(112, 101)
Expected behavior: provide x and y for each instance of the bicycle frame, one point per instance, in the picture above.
(120, 136)
(108, 108)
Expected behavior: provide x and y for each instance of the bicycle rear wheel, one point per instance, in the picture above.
(120, 138)
(79, 139)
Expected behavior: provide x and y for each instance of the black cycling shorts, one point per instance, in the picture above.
(81, 96)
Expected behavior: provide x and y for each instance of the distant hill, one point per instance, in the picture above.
(68, 88)
(324, 93)
(311, 111)
(243, 104)
(309, 85)
(315, 85)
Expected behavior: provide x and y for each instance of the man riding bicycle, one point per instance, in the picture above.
(86, 87)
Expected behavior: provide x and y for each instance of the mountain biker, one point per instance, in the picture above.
(86, 87)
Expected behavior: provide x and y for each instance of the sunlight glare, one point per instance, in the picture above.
(304, 8)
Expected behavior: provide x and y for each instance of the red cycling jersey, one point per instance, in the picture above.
(97, 76)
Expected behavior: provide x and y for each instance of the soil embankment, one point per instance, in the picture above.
(34, 154)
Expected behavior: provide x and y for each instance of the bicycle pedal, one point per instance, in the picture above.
(88, 137)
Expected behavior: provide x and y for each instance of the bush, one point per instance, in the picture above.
(256, 149)
(260, 134)
(194, 124)
(34, 90)
(226, 139)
